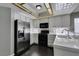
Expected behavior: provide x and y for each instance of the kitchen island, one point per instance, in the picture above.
(66, 47)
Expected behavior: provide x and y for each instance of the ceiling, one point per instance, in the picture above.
(47, 9)
(31, 9)
(35, 11)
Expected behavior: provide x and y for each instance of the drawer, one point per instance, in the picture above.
(50, 44)
(51, 40)
(51, 37)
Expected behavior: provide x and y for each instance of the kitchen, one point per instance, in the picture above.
(55, 31)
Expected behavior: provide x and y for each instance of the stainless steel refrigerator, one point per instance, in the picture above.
(21, 36)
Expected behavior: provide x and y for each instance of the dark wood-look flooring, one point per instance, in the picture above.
(39, 51)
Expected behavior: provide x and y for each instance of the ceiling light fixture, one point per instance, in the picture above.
(38, 7)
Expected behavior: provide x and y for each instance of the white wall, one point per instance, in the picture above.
(5, 31)
(7, 17)
(12, 32)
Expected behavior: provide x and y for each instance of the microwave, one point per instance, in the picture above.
(44, 25)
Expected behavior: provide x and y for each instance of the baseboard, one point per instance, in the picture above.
(12, 54)
(33, 44)
(50, 47)
(37, 45)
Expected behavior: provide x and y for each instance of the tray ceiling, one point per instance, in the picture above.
(47, 9)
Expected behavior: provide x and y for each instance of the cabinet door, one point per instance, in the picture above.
(16, 16)
(65, 21)
(57, 21)
(76, 25)
(51, 22)
(51, 39)
(23, 18)
(36, 23)
(44, 20)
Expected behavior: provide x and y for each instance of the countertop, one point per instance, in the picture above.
(68, 44)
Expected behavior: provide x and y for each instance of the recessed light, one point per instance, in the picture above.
(38, 7)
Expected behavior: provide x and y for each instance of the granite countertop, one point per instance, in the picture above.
(68, 44)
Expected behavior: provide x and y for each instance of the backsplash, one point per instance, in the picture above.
(58, 31)
(62, 31)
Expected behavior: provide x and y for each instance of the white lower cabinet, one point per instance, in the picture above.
(51, 39)
(64, 51)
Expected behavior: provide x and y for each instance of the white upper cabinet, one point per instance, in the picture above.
(76, 25)
(60, 21)
(57, 22)
(65, 21)
(51, 22)
(16, 16)
(46, 20)
(27, 19)
(36, 23)
(23, 17)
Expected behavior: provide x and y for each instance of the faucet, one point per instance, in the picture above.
(68, 36)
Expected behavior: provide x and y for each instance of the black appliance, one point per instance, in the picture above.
(43, 38)
(44, 25)
(21, 39)
(44, 31)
